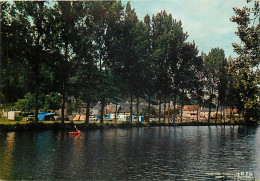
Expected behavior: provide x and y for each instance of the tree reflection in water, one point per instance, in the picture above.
(161, 153)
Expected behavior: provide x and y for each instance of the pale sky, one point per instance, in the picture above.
(206, 21)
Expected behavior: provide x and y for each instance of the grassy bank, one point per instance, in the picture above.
(51, 125)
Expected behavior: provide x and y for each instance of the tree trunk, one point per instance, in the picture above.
(36, 102)
(174, 107)
(164, 109)
(102, 111)
(159, 109)
(100, 59)
(116, 112)
(221, 115)
(87, 112)
(38, 60)
(137, 108)
(169, 111)
(149, 107)
(63, 84)
(198, 114)
(210, 109)
(243, 114)
(63, 103)
(224, 115)
(181, 111)
(36, 105)
(232, 107)
(217, 113)
(131, 108)
(231, 113)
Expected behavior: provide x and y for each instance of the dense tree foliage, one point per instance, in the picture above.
(245, 68)
(101, 52)
(214, 71)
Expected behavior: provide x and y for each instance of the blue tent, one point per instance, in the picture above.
(45, 116)
(142, 118)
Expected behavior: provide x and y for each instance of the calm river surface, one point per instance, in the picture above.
(155, 153)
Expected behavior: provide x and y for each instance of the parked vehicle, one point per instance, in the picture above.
(58, 118)
(30, 118)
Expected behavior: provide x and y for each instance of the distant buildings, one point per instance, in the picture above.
(121, 112)
(191, 112)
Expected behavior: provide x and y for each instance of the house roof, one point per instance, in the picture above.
(141, 106)
(124, 107)
(190, 108)
(96, 107)
(110, 108)
(207, 110)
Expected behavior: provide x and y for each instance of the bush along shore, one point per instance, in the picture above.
(91, 126)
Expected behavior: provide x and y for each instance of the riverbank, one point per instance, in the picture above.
(16, 126)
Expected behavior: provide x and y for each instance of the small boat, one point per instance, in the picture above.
(74, 133)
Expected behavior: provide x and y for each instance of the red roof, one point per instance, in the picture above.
(190, 108)
(234, 111)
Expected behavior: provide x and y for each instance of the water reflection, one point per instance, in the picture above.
(6, 156)
(257, 154)
(160, 153)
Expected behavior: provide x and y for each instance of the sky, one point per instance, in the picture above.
(206, 21)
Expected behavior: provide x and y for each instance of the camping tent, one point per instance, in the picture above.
(79, 118)
(45, 116)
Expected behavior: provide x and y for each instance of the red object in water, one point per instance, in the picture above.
(74, 133)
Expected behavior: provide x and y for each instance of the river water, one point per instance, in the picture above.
(151, 153)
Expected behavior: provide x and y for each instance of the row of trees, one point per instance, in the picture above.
(101, 51)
